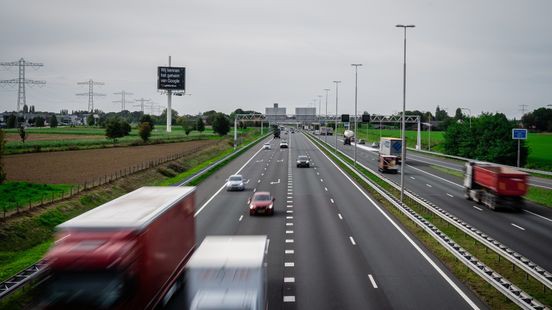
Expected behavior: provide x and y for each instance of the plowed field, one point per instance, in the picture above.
(72, 167)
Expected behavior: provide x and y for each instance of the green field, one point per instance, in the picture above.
(158, 135)
(540, 144)
(20, 194)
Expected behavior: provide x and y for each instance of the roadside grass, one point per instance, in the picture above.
(540, 195)
(16, 194)
(448, 171)
(25, 240)
(486, 292)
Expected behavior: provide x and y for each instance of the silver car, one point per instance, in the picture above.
(235, 183)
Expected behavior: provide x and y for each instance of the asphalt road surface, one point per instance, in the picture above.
(528, 233)
(331, 246)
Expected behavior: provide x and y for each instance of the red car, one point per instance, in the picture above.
(261, 203)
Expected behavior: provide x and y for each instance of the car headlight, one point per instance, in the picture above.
(298, 162)
(270, 206)
(251, 206)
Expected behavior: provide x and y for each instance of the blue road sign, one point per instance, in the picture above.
(519, 134)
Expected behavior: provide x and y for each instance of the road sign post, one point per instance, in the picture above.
(170, 79)
(519, 134)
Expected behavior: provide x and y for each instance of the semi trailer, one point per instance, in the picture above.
(495, 186)
(128, 253)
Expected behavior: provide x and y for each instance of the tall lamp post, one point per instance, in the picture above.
(326, 118)
(336, 100)
(403, 142)
(356, 96)
(469, 115)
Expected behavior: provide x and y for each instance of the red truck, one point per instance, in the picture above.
(495, 186)
(129, 253)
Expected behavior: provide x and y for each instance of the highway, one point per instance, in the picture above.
(331, 246)
(526, 232)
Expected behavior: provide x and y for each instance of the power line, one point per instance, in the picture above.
(90, 92)
(123, 98)
(21, 81)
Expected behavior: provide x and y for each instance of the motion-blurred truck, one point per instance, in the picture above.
(391, 146)
(228, 272)
(128, 253)
(387, 163)
(495, 186)
(348, 137)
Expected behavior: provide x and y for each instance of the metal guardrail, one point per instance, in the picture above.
(21, 278)
(469, 159)
(504, 286)
(32, 272)
(537, 272)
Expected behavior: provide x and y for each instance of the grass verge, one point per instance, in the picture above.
(485, 291)
(16, 194)
(448, 171)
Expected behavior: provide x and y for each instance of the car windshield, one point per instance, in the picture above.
(302, 157)
(262, 198)
(235, 178)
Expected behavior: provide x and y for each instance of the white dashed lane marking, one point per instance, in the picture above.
(428, 185)
(517, 226)
(373, 281)
(450, 195)
(339, 215)
(241, 218)
(478, 208)
(352, 240)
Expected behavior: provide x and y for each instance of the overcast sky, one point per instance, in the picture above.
(491, 55)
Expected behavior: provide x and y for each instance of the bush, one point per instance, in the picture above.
(221, 124)
(53, 121)
(144, 131)
(116, 128)
(146, 118)
(200, 126)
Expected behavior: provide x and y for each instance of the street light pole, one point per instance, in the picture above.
(356, 96)
(336, 100)
(403, 141)
(326, 118)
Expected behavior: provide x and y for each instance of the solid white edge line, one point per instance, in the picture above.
(535, 214)
(220, 189)
(373, 281)
(424, 255)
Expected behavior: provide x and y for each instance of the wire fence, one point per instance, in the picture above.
(18, 207)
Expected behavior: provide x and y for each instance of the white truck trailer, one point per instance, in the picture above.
(228, 272)
(391, 146)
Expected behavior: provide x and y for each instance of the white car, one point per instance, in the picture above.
(284, 145)
(235, 183)
(266, 146)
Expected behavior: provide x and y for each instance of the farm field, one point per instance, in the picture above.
(540, 144)
(75, 167)
(75, 138)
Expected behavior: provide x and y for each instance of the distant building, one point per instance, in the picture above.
(275, 114)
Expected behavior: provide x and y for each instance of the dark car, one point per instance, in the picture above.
(261, 203)
(303, 161)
